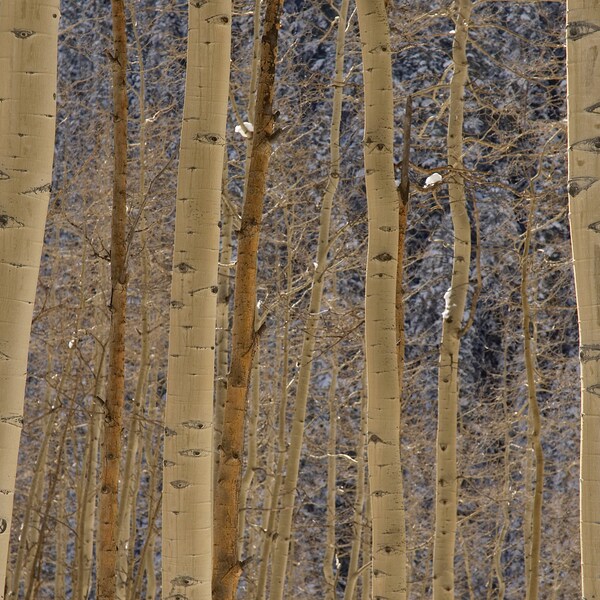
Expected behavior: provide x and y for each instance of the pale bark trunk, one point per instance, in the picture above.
(446, 470)
(272, 512)
(533, 540)
(583, 25)
(358, 509)
(188, 454)
(131, 472)
(329, 572)
(385, 474)
(84, 546)
(252, 454)
(226, 565)
(284, 529)
(28, 59)
(107, 548)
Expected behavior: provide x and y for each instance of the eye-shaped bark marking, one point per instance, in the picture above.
(595, 227)
(184, 580)
(22, 34)
(194, 424)
(222, 19)
(576, 185)
(3, 525)
(179, 484)
(593, 389)
(209, 138)
(194, 452)
(16, 420)
(589, 145)
(579, 29)
(589, 352)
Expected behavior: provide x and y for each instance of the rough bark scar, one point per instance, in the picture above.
(7, 221)
(16, 420)
(594, 108)
(576, 185)
(579, 29)
(589, 145)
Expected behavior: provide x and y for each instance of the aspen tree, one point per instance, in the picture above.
(385, 473)
(28, 61)
(290, 485)
(133, 457)
(583, 39)
(446, 475)
(227, 567)
(188, 458)
(107, 548)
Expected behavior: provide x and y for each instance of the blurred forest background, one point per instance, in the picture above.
(515, 176)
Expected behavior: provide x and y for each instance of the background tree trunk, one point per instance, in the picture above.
(456, 296)
(115, 387)
(226, 566)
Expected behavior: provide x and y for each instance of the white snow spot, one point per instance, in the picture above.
(432, 180)
(447, 303)
(245, 130)
(71, 343)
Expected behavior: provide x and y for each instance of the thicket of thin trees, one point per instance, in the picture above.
(305, 321)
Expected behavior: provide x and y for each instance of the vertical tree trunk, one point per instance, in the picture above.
(28, 55)
(534, 528)
(385, 473)
(446, 480)
(115, 387)
(583, 25)
(226, 566)
(284, 529)
(188, 457)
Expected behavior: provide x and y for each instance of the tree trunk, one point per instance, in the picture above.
(584, 172)
(284, 529)
(188, 457)
(446, 477)
(226, 566)
(28, 59)
(115, 388)
(385, 473)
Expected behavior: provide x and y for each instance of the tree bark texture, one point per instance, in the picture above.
(226, 565)
(583, 85)
(456, 296)
(188, 453)
(115, 387)
(28, 61)
(385, 473)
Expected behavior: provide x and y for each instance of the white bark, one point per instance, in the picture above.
(28, 59)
